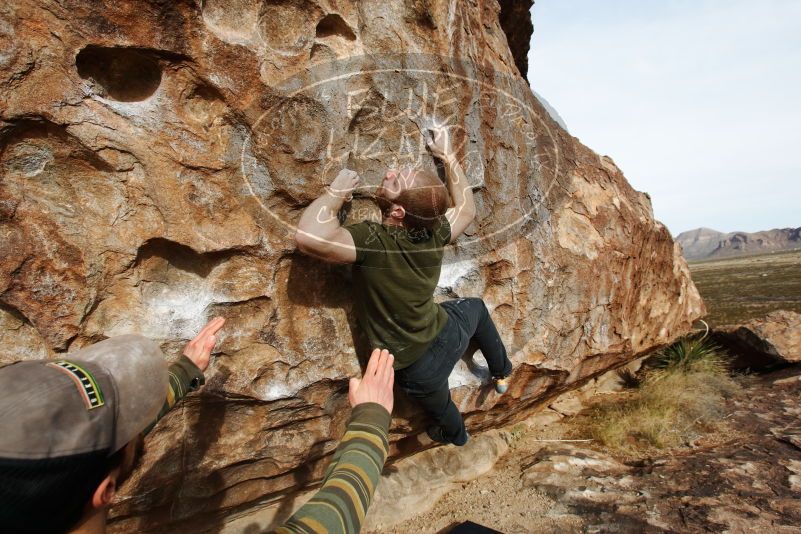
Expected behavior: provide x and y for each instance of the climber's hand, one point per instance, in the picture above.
(376, 384)
(344, 184)
(199, 349)
(439, 142)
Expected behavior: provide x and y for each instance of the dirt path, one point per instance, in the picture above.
(746, 478)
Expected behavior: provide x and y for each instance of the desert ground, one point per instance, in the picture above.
(744, 475)
(738, 289)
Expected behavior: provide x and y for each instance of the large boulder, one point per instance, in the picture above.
(155, 156)
(764, 342)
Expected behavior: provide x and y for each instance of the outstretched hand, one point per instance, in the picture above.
(376, 384)
(439, 142)
(199, 349)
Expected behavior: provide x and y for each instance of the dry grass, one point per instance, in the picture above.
(680, 398)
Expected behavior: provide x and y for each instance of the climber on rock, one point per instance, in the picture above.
(397, 267)
(78, 424)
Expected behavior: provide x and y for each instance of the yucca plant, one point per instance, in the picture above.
(690, 354)
(628, 378)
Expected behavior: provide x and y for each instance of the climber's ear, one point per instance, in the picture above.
(397, 212)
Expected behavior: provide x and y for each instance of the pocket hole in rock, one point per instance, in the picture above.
(123, 74)
(332, 25)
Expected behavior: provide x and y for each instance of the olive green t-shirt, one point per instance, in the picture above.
(394, 278)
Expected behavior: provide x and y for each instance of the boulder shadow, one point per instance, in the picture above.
(302, 477)
(195, 444)
(313, 282)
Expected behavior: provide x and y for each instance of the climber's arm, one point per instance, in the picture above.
(354, 473)
(464, 207)
(186, 375)
(319, 232)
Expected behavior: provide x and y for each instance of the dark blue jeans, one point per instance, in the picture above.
(427, 379)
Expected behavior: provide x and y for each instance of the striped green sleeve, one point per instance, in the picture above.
(350, 481)
(185, 377)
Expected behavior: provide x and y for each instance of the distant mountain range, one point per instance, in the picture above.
(704, 243)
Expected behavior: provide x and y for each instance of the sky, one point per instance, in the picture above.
(698, 102)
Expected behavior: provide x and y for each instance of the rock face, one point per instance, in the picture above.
(154, 157)
(704, 243)
(772, 340)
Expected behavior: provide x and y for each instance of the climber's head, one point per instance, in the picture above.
(414, 198)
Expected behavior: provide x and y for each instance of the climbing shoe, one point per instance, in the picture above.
(501, 384)
(435, 433)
